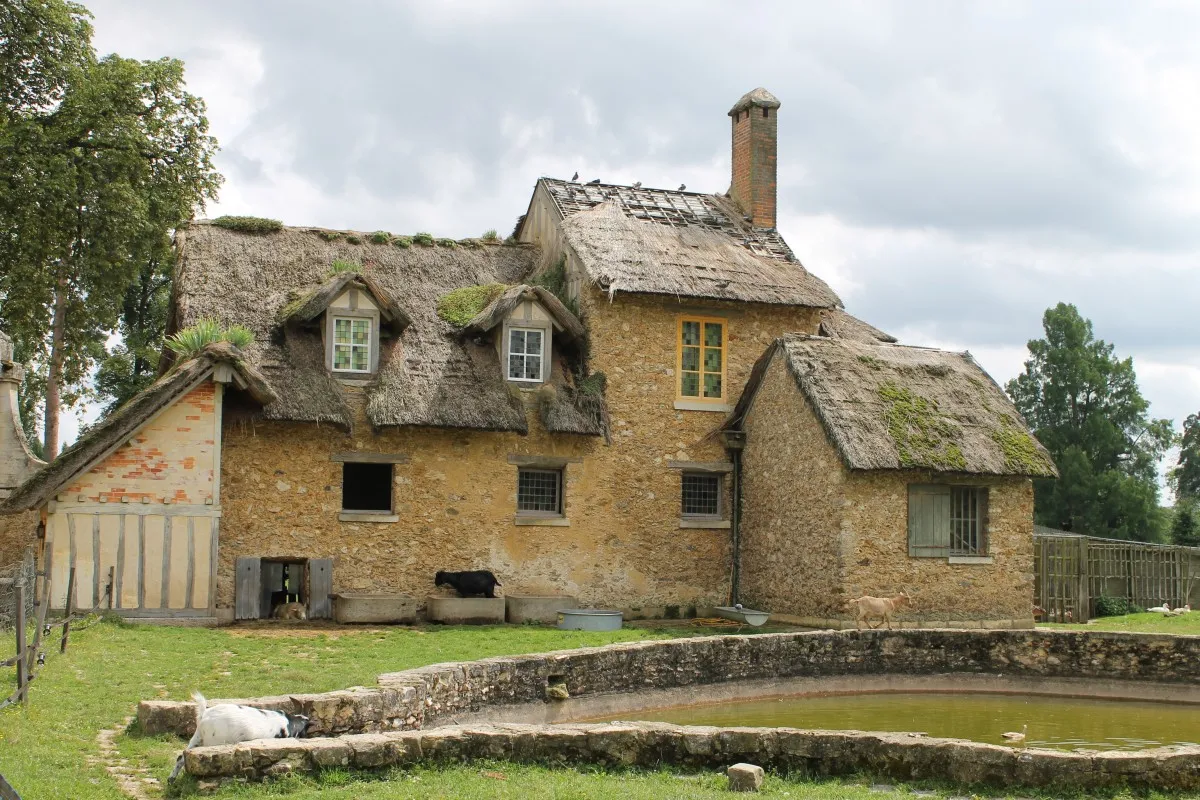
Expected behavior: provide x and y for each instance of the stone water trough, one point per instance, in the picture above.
(498, 708)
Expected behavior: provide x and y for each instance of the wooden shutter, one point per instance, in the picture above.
(247, 588)
(320, 588)
(928, 521)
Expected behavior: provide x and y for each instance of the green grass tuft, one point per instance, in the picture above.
(341, 265)
(403, 242)
(329, 236)
(461, 305)
(447, 243)
(352, 239)
(188, 342)
(380, 237)
(490, 235)
(248, 224)
(423, 239)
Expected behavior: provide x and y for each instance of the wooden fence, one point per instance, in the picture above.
(1072, 572)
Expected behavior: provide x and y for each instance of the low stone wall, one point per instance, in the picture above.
(446, 694)
(646, 744)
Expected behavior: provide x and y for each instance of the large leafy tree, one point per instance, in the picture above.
(99, 160)
(1084, 405)
(1185, 477)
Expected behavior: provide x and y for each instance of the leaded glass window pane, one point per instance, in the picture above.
(689, 384)
(712, 385)
(712, 334)
(691, 333)
(701, 494)
(351, 344)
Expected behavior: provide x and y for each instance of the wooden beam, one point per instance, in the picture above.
(368, 457)
(701, 466)
(543, 462)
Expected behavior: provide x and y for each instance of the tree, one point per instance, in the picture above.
(1084, 405)
(1183, 526)
(93, 176)
(1185, 478)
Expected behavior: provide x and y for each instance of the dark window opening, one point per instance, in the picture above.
(539, 491)
(282, 582)
(701, 494)
(764, 112)
(366, 487)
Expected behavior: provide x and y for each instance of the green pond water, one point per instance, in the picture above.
(1058, 722)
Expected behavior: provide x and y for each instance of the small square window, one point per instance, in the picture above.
(351, 344)
(539, 492)
(366, 487)
(701, 494)
(526, 351)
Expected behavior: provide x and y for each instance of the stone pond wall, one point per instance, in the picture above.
(381, 720)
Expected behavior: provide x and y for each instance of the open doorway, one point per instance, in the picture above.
(262, 584)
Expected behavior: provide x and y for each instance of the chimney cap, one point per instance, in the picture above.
(758, 97)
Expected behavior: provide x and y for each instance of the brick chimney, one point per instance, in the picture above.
(755, 149)
(16, 462)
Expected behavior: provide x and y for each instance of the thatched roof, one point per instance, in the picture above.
(895, 407)
(312, 305)
(498, 310)
(621, 253)
(123, 423)
(837, 324)
(434, 377)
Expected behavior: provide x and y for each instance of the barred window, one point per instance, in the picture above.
(539, 492)
(947, 521)
(701, 494)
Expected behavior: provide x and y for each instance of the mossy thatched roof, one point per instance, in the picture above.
(123, 423)
(895, 407)
(430, 375)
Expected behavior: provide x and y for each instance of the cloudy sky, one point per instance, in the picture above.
(951, 169)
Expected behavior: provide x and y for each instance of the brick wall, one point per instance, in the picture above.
(172, 459)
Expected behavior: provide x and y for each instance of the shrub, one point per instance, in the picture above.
(188, 342)
(423, 239)
(403, 242)
(461, 305)
(329, 236)
(380, 237)
(1113, 607)
(248, 224)
(447, 243)
(490, 235)
(341, 265)
(352, 239)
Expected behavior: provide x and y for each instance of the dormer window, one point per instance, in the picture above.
(526, 354)
(352, 339)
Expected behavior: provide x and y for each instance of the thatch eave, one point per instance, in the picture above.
(495, 312)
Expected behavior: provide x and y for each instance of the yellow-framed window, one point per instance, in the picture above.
(701, 359)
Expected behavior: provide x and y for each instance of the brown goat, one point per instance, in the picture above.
(867, 607)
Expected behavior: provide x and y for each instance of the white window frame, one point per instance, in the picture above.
(508, 353)
(334, 344)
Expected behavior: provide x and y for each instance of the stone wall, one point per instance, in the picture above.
(624, 546)
(426, 699)
(875, 534)
(792, 504)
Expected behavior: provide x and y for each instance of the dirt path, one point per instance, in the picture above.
(134, 782)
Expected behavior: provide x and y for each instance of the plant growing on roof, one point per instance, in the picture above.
(423, 239)
(341, 265)
(380, 237)
(447, 243)
(461, 305)
(188, 342)
(554, 280)
(329, 236)
(248, 224)
(923, 435)
(352, 239)
(490, 235)
(403, 242)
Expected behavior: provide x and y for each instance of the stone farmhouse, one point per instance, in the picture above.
(641, 400)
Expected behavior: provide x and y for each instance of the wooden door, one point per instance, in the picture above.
(247, 589)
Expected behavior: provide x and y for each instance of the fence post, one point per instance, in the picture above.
(70, 610)
(1085, 601)
(7, 792)
(43, 608)
(20, 593)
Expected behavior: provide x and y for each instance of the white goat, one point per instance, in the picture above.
(867, 607)
(228, 723)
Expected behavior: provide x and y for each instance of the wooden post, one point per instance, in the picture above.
(20, 594)
(43, 608)
(1084, 607)
(7, 792)
(70, 609)
(112, 582)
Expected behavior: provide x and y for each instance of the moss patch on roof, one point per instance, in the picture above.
(248, 224)
(1021, 451)
(923, 435)
(460, 306)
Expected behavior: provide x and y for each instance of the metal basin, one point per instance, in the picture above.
(746, 615)
(589, 619)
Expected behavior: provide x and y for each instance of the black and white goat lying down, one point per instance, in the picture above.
(227, 723)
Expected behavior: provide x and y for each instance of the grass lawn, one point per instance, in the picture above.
(1187, 624)
(50, 750)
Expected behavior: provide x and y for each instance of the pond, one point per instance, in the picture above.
(1063, 723)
